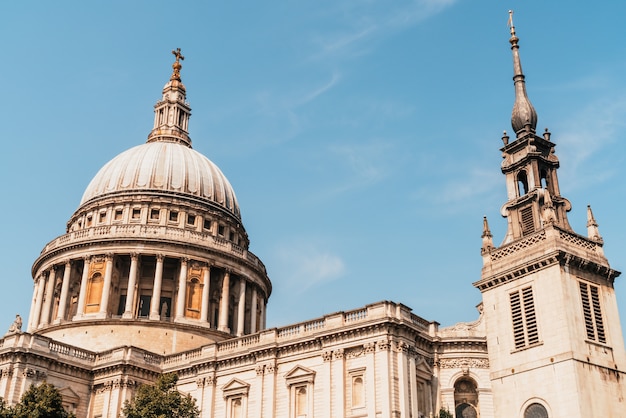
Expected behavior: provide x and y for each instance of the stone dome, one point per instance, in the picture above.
(164, 167)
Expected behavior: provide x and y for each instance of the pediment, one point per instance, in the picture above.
(423, 368)
(300, 374)
(69, 395)
(235, 387)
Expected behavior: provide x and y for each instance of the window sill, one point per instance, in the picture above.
(527, 347)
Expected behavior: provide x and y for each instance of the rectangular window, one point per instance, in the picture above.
(173, 216)
(136, 214)
(207, 224)
(592, 312)
(220, 230)
(118, 215)
(154, 214)
(102, 217)
(525, 331)
(191, 219)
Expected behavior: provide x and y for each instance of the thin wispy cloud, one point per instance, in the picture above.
(594, 128)
(307, 264)
(467, 185)
(357, 166)
(363, 23)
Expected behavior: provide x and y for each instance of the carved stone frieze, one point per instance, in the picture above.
(460, 363)
(34, 374)
(369, 347)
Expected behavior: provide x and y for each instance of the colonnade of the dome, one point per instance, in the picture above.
(150, 287)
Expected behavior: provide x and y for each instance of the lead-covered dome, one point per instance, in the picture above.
(166, 164)
(164, 167)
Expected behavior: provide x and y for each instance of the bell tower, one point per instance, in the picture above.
(554, 337)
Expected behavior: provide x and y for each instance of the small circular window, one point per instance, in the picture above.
(536, 410)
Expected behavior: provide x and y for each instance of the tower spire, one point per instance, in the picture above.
(524, 116)
(172, 112)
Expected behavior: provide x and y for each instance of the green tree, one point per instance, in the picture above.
(445, 413)
(43, 401)
(161, 400)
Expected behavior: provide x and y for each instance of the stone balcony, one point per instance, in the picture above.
(102, 234)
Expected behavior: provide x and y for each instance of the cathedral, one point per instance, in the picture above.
(154, 275)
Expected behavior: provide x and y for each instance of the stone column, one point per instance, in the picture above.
(413, 385)
(223, 318)
(206, 280)
(382, 363)
(65, 287)
(182, 289)
(253, 309)
(370, 379)
(83, 289)
(155, 302)
(241, 308)
(106, 288)
(48, 298)
(132, 284)
(338, 383)
(33, 303)
(262, 313)
(403, 383)
(38, 301)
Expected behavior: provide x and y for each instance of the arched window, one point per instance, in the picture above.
(235, 408)
(194, 298)
(358, 399)
(522, 183)
(536, 410)
(94, 293)
(301, 401)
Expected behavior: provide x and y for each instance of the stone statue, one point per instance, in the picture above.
(16, 326)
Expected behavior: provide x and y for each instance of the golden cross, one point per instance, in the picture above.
(178, 55)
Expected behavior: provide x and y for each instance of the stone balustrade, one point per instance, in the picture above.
(47, 347)
(147, 232)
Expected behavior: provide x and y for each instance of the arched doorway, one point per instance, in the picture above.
(465, 398)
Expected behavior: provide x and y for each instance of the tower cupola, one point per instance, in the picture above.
(172, 112)
(530, 165)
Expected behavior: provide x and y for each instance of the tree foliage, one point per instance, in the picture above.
(445, 413)
(43, 401)
(161, 400)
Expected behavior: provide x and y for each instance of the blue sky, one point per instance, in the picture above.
(362, 137)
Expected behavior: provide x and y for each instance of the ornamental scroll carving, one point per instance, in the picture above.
(259, 369)
(327, 355)
(460, 363)
(384, 345)
(355, 352)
